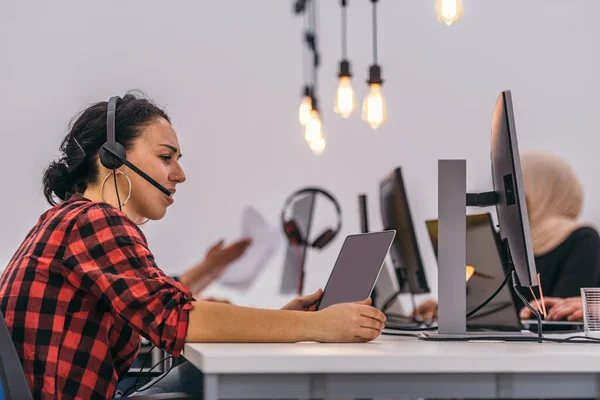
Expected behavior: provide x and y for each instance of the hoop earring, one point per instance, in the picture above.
(104, 181)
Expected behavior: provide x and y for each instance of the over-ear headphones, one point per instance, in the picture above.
(290, 227)
(112, 153)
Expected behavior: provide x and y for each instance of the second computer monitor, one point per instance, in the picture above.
(405, 254)
(508, 184)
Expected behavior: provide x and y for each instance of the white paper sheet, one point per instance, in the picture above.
(265, 241)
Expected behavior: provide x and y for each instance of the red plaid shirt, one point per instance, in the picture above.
(77, 294)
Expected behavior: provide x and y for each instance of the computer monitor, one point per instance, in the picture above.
(405, 254)
(508, 197)
(293, 270)
(507, 179)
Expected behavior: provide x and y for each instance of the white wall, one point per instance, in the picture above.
(229, 74)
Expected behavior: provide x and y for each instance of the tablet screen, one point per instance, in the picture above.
(357, 268)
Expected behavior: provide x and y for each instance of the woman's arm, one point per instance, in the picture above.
(349, 322)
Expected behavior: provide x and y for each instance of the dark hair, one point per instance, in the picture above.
(77, 165)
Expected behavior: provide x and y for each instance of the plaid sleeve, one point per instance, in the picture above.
(107, 255)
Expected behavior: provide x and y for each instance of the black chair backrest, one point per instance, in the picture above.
(14, 384)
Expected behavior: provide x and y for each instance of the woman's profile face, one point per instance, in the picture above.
(156, 152)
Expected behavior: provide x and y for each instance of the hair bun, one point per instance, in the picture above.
(57, 180)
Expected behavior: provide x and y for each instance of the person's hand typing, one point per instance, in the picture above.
(557, 309)
(426, 311)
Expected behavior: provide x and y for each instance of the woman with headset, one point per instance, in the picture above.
(83, 286)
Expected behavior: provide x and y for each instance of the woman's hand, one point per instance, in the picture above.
(214, 264)
(558, 309)
(348, 323)
(305, 303)
(427, 311)
(219, 256)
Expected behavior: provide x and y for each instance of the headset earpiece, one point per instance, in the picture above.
(109, 160)
(323, 239)
(293, 233)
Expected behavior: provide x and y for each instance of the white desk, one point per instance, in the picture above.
(399, 368)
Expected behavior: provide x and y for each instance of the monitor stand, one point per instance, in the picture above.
(452, 255)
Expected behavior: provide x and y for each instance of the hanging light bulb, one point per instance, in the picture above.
(373, 111)
(449, 11)
(318, 145)
(313, 129)
(305, 107)
(344, 99)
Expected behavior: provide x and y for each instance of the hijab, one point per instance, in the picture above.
(554, 200)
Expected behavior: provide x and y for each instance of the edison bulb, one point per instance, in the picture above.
(318, 145)
(344, 99)
(304, 110)
(449, 11)
(312, 129)
(373, 110)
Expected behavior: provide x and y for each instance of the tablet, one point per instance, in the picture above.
(357, 267)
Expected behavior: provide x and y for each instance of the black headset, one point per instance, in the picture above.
(290, 227)
(112, 153)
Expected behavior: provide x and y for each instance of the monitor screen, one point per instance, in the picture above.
(507, 178)
(405, 254)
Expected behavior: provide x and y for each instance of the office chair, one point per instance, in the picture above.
(14, 383)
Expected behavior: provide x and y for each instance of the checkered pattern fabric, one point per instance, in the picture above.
(77, 295)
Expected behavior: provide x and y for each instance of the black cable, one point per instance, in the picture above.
(527, 304)
(498, 307)
(117, 189)
(344, 30)
(158, 379)
(521, 339)
(485, 303)
(400, 334)
(305, 64)
(374, 31)
(135, 384)
(316, 60)
(402, 328)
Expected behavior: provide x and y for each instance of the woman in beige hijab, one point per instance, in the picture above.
(567, 253)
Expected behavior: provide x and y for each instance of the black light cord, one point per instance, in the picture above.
(344, 30)
(315, 49)
(374, 31)
(305, 64)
